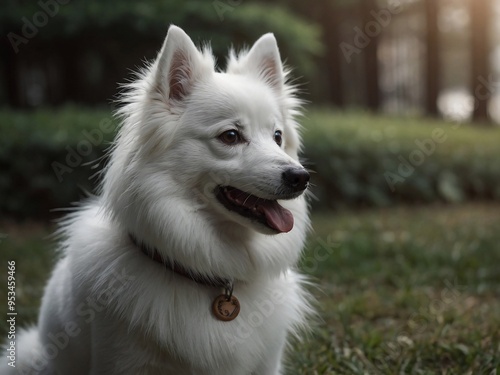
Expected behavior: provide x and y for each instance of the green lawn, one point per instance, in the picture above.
(405, 291)
(32, 249)
(401, 290)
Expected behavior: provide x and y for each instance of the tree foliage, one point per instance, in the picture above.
(222, 22)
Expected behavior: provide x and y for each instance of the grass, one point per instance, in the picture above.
(405, 291)
(401, 290)
(29, 246)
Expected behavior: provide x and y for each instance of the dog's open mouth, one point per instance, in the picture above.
(265, 211)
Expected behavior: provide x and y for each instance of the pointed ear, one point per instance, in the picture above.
(264, 60)
(178, 66)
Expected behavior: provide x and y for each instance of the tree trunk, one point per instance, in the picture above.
(371, 57)
(330, 20)
(481, 13)
(10, 73)
(432, 61)
(70, 72)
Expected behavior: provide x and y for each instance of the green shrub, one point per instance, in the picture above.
(365, 160)
(50, 158)
(47, 160)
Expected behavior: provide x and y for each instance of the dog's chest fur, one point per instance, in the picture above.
(198, 343)
(164, 320)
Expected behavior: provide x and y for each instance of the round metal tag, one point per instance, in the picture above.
(226, 308)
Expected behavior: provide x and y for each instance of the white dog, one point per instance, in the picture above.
(184, 262)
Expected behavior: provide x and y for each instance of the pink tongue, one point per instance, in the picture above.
(277, 217)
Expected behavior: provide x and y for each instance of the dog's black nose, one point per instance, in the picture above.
(296, 178)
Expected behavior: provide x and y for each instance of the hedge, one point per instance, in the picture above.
(364, 160)
(51, 158)
(48, 158)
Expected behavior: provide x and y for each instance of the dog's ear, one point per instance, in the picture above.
(178, 66)
(264, 60)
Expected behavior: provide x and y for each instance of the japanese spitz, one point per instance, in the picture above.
(184, 263)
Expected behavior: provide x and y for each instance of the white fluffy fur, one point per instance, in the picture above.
(129, 315)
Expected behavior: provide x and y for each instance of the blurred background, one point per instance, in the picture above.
(393, 56)
(401, 127)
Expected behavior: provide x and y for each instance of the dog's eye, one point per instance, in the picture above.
(230, 137)
(278, 137)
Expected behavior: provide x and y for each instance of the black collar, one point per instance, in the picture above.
(153, 254)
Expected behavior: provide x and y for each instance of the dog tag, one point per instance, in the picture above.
(226, 308)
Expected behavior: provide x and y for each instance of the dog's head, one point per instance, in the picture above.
(227, 141)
